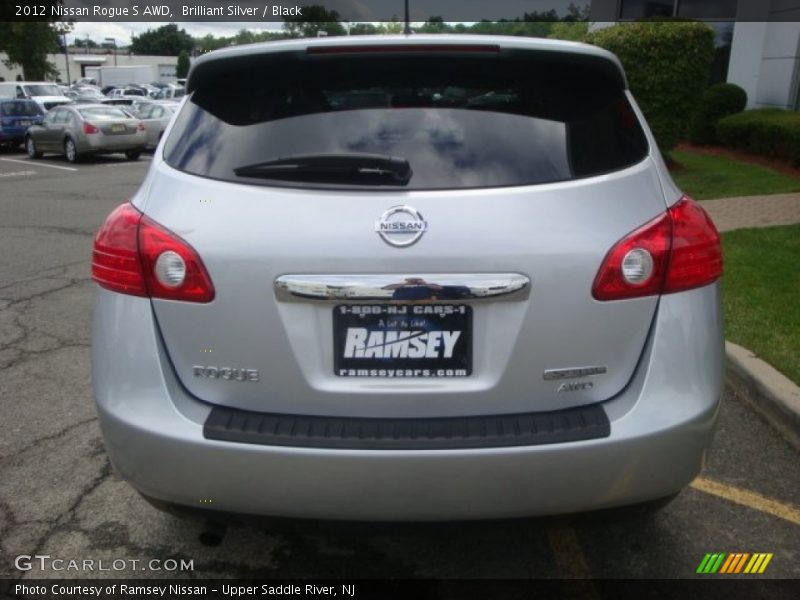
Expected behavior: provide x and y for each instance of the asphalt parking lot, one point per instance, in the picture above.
(60, 497)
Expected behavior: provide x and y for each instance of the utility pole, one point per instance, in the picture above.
(113, 41)
(407, 29)
(66, 56)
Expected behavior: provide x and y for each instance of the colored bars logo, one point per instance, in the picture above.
(734, 563)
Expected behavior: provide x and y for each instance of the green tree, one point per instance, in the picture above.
(208, 43)
(577, 13)
(167, 40)
(315, 19)
(243, 36)
(434, 25)
(393, 26)
(667, 65)
(85, 43)
(573, 31)
(27, 44)
(530, 25)
(363, 29)
(182, 69)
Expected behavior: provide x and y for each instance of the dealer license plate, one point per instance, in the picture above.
(402, 340)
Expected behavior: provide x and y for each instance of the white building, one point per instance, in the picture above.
(79, 62)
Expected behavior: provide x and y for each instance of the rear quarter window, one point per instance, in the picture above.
(460, 122)
(103, 114)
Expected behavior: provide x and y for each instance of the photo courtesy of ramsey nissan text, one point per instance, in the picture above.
(400, 299)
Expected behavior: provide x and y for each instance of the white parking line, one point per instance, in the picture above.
(122, 164)
(18, 174)
(38, 164)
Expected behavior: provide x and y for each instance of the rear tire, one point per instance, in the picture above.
(71, 150)
(30, 148)
(133, 154)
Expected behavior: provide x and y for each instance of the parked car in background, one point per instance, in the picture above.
(45, 93)
(156, 116)
(138, 104)
(126, 92)
(86, 95)
(150, 90)
(79, 130)
(125, 101)
(93, 89)
(468, 288)
(171, 92)
(16, 116)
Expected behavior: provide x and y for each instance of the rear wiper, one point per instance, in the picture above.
(364, 169)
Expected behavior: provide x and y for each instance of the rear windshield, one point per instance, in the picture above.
(103, 114)
(20, 109)
(42, 90)
(458, 123)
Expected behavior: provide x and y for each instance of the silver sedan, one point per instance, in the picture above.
(156, 116)
(77, 131)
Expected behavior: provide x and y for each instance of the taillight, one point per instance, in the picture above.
(89, 128)
(696, 257)
(676, 251)
(172, 268)
(141, 126)
(135, 255)
(115, 257)
(403, 48)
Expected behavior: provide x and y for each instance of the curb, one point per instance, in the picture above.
(772, 394)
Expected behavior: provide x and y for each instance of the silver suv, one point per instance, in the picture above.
(407, 278)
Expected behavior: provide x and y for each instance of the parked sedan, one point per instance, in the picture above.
(156, 116)
(78, 130)
(15, 118)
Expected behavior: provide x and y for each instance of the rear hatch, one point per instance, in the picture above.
(517, 169)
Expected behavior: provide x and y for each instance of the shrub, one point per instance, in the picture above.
(667, 65)
(182, 68)
(717, 102)
(769, 132)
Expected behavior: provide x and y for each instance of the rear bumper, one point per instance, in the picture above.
(661, 425)
(13, 134)
(108, 143)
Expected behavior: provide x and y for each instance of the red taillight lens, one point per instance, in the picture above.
(403, 48)
(89, 128)
(653, 238)
(677, 251)
(115, 257)
(696, 257)
(141, 126)
(126, 260)
(155, 240)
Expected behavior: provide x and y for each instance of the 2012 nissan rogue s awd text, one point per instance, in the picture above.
(409, 277)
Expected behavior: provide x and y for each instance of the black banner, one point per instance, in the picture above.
(373, 11)
(743, 586)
